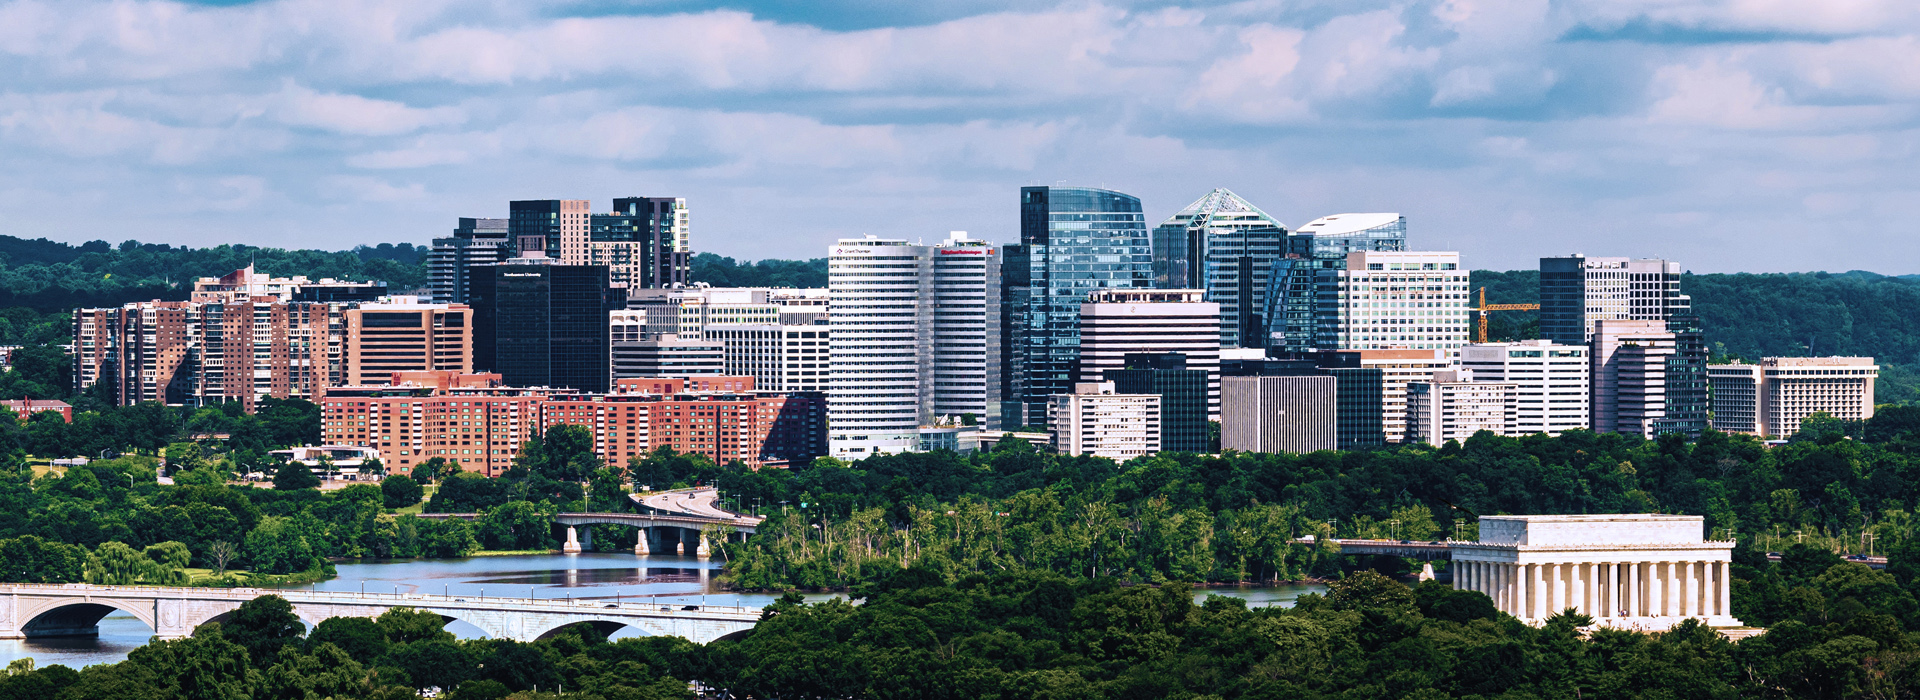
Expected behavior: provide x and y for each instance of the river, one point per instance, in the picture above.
(666, 578)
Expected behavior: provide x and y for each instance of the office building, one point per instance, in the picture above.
(1223, 244)
(1398, 369)
(1095, 420)
(540, 323)
(555, 228)
(779, 357)
(1550, 383)
(1415, 300)
(404, 336)
(1454, 407)
(1771, 397)
(1073, 241)
(474, 242)
(1183, 392)
(1577, 291)
(1688, 397)
(1303, 287)
(1297, 413)
(642, 242)
(1629, 374)
(911, 331)
(668, 356)
(688, 311)
(1115, 323)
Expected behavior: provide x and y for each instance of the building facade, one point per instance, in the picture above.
(669, 356)
(1454, 407)
(779, 357)
(1770, 398)
(384, 338)
(202, 353)
(1415, 300)
(1115, 323)
(1303, 288)
(1637, 572)
(1073, 241)
(643, 243)
(1577, 291)
(474, 242)
(1094, 420)
(1184, 396)
(1296, 414)
(540, 323)
(1227, 246)
(1629, 361)
(911, 336)
(1551, 383)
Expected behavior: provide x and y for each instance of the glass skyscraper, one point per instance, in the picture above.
(1303, 287)
(1223, 244)
(1073, 240)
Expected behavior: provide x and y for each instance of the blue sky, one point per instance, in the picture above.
(1756, 135)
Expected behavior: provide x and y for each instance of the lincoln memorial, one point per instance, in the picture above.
(1643, 572)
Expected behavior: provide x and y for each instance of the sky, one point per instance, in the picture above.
(1730, 135)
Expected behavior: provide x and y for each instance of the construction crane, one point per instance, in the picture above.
(1485, 307)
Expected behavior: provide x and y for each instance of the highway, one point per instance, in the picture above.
(698, 502)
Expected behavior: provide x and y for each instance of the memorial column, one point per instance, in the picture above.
(1632, 583)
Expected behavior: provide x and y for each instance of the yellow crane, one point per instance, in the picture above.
(1485, 307)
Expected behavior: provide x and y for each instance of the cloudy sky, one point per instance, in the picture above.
(1758, 135)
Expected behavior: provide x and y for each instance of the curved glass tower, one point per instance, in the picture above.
(1073, 240)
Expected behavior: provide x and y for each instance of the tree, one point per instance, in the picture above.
(278, 546)
(219, 553)
(400, 492)
(294, 476)
(372, 466)
(361, 638)
(30, 559)
(430, 471)
(116, 564)
(262, 626)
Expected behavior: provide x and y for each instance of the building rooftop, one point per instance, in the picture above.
(1340, 224)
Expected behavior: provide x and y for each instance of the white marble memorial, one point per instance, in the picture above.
(1644, 572)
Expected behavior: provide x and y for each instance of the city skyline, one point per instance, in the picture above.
(1509, 131)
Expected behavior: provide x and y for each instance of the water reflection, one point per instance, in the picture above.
(667, 579)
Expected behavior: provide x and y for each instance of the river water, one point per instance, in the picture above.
(665, 578)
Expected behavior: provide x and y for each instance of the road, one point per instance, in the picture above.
(695, 502)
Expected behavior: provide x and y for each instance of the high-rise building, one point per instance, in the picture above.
(1412, 300)
(1399, 368)
(1073, 240)
(1183, 396)
(1550, 383)
(780, 357)
(912, 329)
(1772, 397)
(554, 227)
(668, 356)
(1688, 396)
(1577, 291)
(642, 243)
(450, 263)
(1303, 288)
(1454, 407)
(1360, 394)
(1095, 420)
(1630, 360)
(1115, 323)
(1291, 413)
(405, 336)
(540, 323)
(1223, 244)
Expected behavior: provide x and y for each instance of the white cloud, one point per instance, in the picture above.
(297, 105)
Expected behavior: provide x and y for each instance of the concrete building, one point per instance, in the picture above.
(669, 356)
(1073, 241)
(1115, 323)
(1771, 397)
(1093, 420)
(1638, 572)
(247, 285)
(404, 336)
(1225, 245)
(1454, 407)
(912, 331)
(1629, 374)
(688, 311)
(1577, 291)
(1398, 369)
(1415, 300)
(1359, 396)
(26, 409)
(779, 357)
(201, 353)
(643, 243)
(1184, 395)
(1279, 413)
(1304, 287)
(474, 242)
(1551, 383)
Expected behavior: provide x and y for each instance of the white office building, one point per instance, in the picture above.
(1770, 398)
(915, 332)
(1453, 407)
(1093, 420)
(1629, 374)
(1398, 369)
(1577, 291)
(1117, 322)
(779, 357)
(1401, 299)
(1550, 382)
(667, 356)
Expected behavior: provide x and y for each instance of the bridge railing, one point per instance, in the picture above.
(375, 597)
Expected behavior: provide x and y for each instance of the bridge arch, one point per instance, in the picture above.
(75, 618)
(604, 626)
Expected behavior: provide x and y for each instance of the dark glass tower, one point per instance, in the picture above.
(542, 324)
(1304, 286)
(1073, 240)
(1183, 396)
(1687, 395)
(1223, 244)
(650, 227)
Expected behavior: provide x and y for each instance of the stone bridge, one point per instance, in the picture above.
(75, 609)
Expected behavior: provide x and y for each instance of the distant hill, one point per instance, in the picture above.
(49, 276)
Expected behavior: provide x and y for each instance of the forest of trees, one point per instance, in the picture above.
(54, 278)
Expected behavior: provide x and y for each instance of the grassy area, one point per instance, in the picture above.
(236, 578)
(416, 508)
(511, 552)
